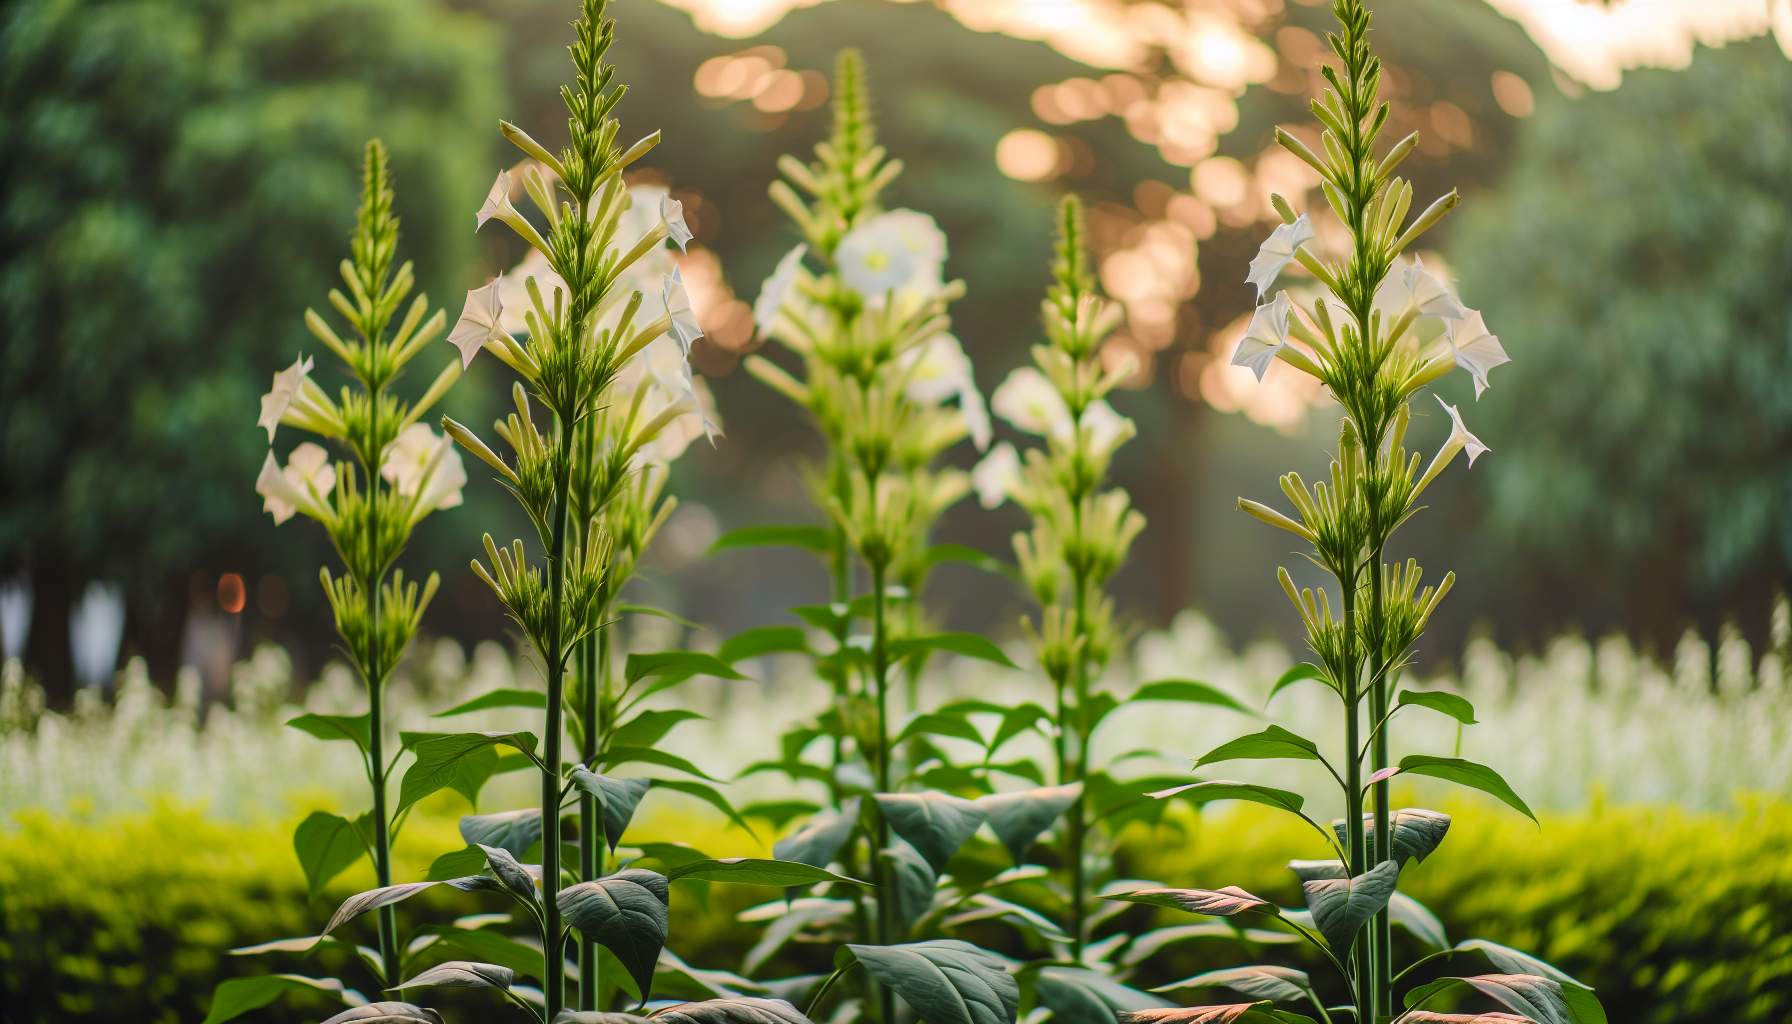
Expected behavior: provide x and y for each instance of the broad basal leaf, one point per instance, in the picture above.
(1020, 818)
(1465, 773)
(1273, 743)
(756, 871)
(1341, 906)
(515, 831)
(326, 845)
(625, 913)
(945, 981)
(935, 824)
(1077, 995)
(461, 974)
(237, 996)
(1230, 901)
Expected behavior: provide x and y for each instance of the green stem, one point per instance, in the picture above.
(879, 672)
(376, 689)
(1079, 768)
(1364, 954)
(552, 937)
(591, 836)
(1382, 927)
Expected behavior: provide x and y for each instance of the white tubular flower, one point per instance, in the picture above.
(497, 203)
(678, 307)
(1430, 295)
(442, 480)
(672, 212)
(936, 370)
(513, 291)
(777, 288)
(1277, 252)
(1475, 348)
(481, 321)
(898, 251)
(301, 486)
(280, 396)
(1266, 336)
(997, 476)
(411, 460)
(1460, 440)
(1028, 400)
(976, 415)
(1106, 428)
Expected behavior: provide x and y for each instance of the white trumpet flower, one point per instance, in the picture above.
(777, 289)
(1266, 336)
(1476, 349)
(678, 307)
(1029, 401)
(672, 212)
(497, 203)
(897, 251)
(481, 322)
(420, 461)
(1277, 252)
(1460, 440)
(301, 486)
(997, 476)
(280, 396)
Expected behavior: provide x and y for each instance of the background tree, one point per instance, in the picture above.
(174, 186)
(1663, 489)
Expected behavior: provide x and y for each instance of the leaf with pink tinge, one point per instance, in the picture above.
(1230, 901)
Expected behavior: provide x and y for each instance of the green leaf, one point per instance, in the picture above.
(1513, 961)
(1077, 995)
(486, 945)
(390, 1012)
(1417, 832)
(709, 795)
(939, 725)
(779, 813)
(461, 974)
(1341, 906)
(1303, 671)
(914, 881)
(361, 902)
(1439, 701)
(819, 842)
(617, 755)
(964, 554)
(514, 831)
(617, 798)
(515, 877)
(1230, 901)
(755, 643)
(1273, 743)
(626, 914)
(681, 664)
(1020, 818)
(967, 645)
(336, 727)
(1279, 984)
(456, 864)
(1530, 996)
(756, 871)
(649, 727)
(501, 698)
(237, 996)
(809, 538)
(1417, 919)
(1465, 773)
(1230, 1013)
(935, 824)
(326, 845)
(736, 1010)
(671, 854)
(1188, 691)
(1015, 721)
(945, 981)
(461, 761)
(1226, 789)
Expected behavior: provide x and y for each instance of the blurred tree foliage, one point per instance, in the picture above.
(1637, 263)
(180, 181)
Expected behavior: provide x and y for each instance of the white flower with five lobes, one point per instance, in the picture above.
(1029, 401)
(678, 307)
(303, 485)
(1460, 440)
(1266, 336)
(938, 370)
(497, 205)
(1106, 429)
(421, 463)
(997, 476)
(481, 322)
(1475, 348)
(898, 251)
(280, 396)
(672, 212)
(777, 289)
(1277, 252)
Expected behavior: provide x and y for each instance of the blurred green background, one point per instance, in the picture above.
(180, 178)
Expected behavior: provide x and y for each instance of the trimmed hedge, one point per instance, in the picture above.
(1676, 918)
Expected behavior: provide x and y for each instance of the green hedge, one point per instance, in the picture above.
(1676, 918)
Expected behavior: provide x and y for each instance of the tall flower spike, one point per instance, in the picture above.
(1277, 252)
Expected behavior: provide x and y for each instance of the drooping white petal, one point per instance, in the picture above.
(976, 415)
(873, 262)
(497, 201)
(309, 465)
(672, 212)
(935, 370)
(280, 396)
(777, 288)
(1460, 439)
(678, 307)
(278, 497)
(1277, 252)
(1106, 428)
(1028, 400)
(409, 458)
(1476, 349)
(1431, 294)
(480, 321)
(996, 477)
(1266, 335)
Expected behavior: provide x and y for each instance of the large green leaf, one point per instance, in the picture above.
(500, 698)
(935, 824)
(1230, 901)
(389, 1012)
(756, 871)
(763, 640)
(681, 664)
(1418, 919)
(615, 756)
(1189, 691)
(1433, 1017)
(649, 727)
(1465, 773)
(737, 1010)
(809, 538)
(617, 798)
(486, 945)
(1583, 1005)
(954, 726)
(946, 981)
(1264, 981)
(625, 913)
(1303, 671)
(966, 645)
(1417, 832)
(462, 761)
(361, 902)
(1530, 996)
(1273, 743)
(1440, 701)
(326, 845)
(1226, 789)
(1017, 720)
(353, 728)
(1020, 818)
(1077, 995)
(461, 974)
(914, 883)
(1341, 906)
(515, 831)
(516, 878)
(1229, 1013)
(237, 996)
